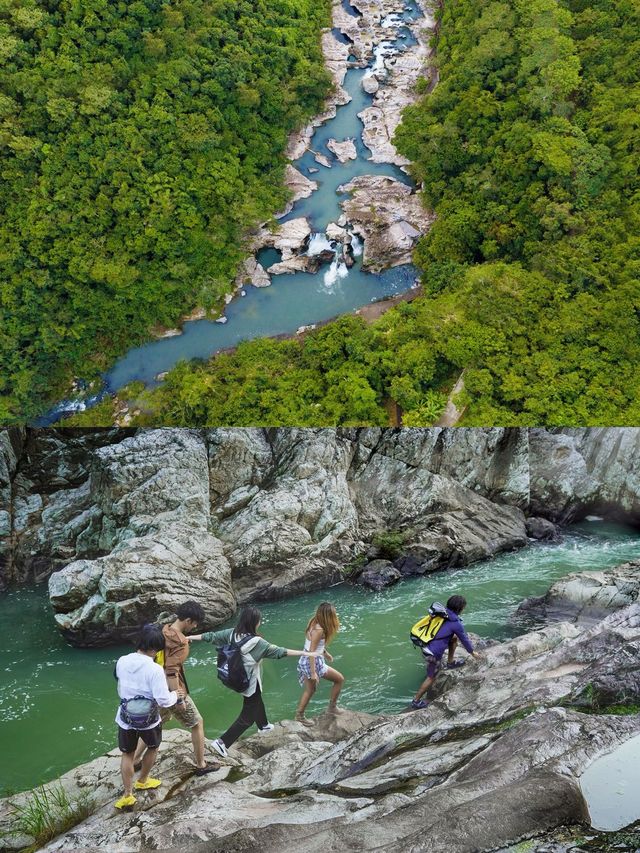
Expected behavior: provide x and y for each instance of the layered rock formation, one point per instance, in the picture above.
(585, 597)
(129, 522)
(496, 758)
(388, 215)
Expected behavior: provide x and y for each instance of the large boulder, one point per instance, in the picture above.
(585, 597)
(345, 150)
(98, 602)
(388, 215)
(151, 492)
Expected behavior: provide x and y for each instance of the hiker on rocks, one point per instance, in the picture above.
(321, 629)
(244, 639)
(436, 633)
(143, 690)
(189, 615)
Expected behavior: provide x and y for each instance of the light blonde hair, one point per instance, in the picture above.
(327, 618)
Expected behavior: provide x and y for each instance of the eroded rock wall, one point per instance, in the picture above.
(129, 522)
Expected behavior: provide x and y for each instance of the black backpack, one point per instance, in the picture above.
(231, 671)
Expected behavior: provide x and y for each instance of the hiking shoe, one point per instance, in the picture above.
(300, 718)
(148, 785)
(334, 710)
(125, 802)
(418, 704)
(137, 766)
(219, 747)
(208, 768)
(456, 664)
(268, 728)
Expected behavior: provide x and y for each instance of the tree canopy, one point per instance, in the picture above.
(139, 140)
(528, 150)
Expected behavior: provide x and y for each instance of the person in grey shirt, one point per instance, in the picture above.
(253, 652)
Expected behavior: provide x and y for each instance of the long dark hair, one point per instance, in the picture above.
(248, 621)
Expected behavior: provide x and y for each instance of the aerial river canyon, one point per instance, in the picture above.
(347, 237)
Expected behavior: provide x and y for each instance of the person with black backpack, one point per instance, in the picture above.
(240, 653)
(143, 690)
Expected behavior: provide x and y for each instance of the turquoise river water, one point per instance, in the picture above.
(296, 299)
(57, 704)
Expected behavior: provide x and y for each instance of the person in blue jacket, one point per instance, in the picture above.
(446, 639)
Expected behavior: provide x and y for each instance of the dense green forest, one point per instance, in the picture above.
(529, 151)
(139, 140)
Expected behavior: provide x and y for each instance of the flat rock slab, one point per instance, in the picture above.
(344, 151)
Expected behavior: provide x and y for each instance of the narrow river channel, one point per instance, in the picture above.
(57, 704)
(296, 299)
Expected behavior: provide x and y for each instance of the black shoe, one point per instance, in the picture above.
(137, 766)
(208, 768)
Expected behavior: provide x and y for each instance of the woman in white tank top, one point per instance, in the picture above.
(321, 629)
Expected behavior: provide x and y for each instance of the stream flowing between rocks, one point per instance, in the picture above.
(297, 299)
(57, 704)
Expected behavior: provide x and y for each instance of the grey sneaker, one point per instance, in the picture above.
(219, 747)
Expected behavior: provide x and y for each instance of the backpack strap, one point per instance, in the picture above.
(241, 643)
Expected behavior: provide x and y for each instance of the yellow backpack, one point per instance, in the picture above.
(426, 629)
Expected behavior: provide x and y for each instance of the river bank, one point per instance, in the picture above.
(326, 256)
(497, 757)
(55, 694)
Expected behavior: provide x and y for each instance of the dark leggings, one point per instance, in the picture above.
(252, 712)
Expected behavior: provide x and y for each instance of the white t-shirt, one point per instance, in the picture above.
(139, 675)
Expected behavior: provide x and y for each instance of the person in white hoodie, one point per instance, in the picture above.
(140, 678)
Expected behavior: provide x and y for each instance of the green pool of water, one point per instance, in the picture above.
(57, 704)
(610, 787)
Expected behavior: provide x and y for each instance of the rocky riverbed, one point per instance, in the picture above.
(400, 218)
(124, 523)
(495, 759)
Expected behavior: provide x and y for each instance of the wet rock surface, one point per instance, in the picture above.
(495, 759)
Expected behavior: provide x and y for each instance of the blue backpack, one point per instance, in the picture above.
(231, 671)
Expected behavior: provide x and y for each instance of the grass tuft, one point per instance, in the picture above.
(48, 812)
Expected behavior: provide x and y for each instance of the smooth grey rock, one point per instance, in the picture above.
(139, 581)
(379, 574)
(541, 528)
(575, 472)
(585, 597)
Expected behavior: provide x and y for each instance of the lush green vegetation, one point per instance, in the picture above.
(528, 150)
(139, 140)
